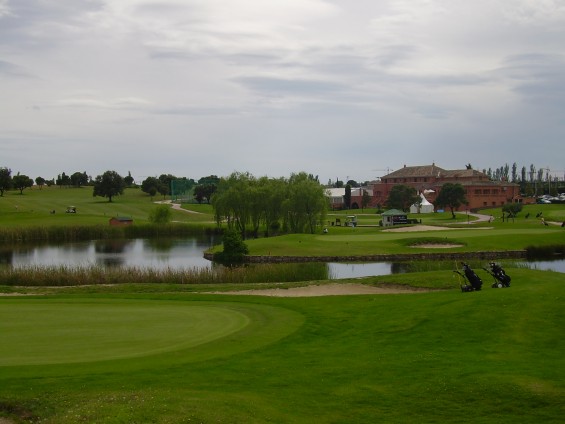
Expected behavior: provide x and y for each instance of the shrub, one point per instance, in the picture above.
(160, 215)
(234, 248)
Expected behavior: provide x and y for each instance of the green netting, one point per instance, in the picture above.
(181, 190)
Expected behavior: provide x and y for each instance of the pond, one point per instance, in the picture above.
(177, 253)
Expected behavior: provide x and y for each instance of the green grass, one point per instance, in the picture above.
(442, 356)
(34, 206)
(372, 241)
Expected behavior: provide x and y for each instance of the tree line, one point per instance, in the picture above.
(245, 203)
(532, 180)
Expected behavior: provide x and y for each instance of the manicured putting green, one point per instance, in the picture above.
(43, 331)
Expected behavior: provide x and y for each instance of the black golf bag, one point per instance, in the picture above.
(471, 281)
(501, 279)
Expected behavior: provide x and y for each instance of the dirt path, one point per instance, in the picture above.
(177, 207)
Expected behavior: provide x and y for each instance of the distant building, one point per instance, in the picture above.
(337, 197)
(481, 191)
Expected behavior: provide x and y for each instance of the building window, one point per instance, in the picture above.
(477, 192)
(486, 191)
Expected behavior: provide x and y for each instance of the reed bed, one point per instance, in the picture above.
(552, 251)
(59, 276)
(99, 232)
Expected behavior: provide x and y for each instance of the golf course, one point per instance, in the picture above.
(400, 348)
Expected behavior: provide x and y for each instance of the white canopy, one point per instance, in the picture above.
(423, 207)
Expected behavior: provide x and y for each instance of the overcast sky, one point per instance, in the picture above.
(337, 88)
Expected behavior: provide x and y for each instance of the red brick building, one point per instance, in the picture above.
(481, 192)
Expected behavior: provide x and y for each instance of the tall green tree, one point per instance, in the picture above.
(204, 192)
(79, 179)
(205, 188)
(451, 195)
(21, 182)
(245, 203)
(402, 197)
(305, 205)
(5, 180)
(365, 199)
(109, 184)
(232, 201)
(347, 196)
(128, 179)
(40, 181)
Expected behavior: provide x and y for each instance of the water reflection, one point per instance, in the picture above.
(188, 253)
(169, 252)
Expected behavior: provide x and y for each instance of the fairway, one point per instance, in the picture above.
(43, 331)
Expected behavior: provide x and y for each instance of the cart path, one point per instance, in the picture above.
(177, 206)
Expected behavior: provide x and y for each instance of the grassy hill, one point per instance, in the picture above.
(34, 207)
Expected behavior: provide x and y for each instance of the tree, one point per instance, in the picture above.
(5, 180)
(204, 191)
(234, 248)
(78, 179)
(451, 195)
(242, 200)
(402, 197)
(40, 181)
(206, 187)
(128, 180)
(347, 196)
(109, 184)
(151, 185)
(21, 182)
(160, 215)
(365, 199)
(305, 204)
(63, 180)
(165, 187)
(512, 209)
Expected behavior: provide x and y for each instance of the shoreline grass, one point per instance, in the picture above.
(59, 276)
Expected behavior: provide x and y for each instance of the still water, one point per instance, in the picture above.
(174, 253)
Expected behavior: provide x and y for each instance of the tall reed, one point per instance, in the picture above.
(99, 232)
(42, 276)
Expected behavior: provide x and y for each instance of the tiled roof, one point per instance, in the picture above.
(434, 171)
(417, 171)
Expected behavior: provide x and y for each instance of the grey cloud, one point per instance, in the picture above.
(195, 111)
(31, 23)
(283, 86)
(538, 78)
(11, 70)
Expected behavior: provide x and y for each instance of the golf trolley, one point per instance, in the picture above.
(501, 279)
(471, 281)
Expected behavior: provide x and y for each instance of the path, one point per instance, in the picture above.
(176, 206)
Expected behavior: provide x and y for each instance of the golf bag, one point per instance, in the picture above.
(471, 281)
(501, 279)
